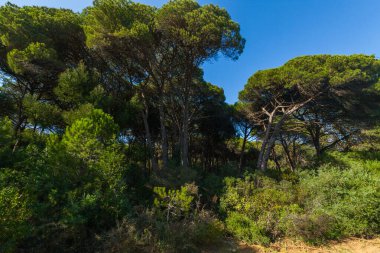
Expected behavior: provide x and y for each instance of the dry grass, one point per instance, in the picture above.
(351, 245)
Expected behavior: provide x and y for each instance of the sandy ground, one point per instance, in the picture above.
(351, 245)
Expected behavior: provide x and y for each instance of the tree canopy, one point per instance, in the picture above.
(309, 85)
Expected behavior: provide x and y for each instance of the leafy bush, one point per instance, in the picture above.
(174, 176)
(207, 229)
(260, 205)
(350, 196)
(313, 228)
(244, 228)
(329, 203)
(14, 218)
(174, 203)
(6, 133)
(150, 231)
(69, 189)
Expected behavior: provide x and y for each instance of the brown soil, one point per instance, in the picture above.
(351, 245)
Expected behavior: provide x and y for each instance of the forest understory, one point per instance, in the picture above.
(112, 141)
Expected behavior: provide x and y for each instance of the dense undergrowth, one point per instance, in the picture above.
(330, 202)
(79, 192)
(46, 209)
(334, 201)
(110, 205)
(111, 140)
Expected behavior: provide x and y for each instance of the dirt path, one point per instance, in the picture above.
(351, 245)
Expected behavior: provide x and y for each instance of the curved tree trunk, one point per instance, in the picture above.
(265, 141)
(271, 142)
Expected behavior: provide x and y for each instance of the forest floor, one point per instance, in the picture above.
(351, 245)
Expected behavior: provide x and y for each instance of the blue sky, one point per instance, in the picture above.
(278, 30)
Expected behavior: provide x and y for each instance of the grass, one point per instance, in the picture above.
(349, 245)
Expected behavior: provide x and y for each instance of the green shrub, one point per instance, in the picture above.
(332, 202)
(69, 189)
(207, 230)
(265, 204)
(14, 218)
(244, 228)
(149, 233)
(6, 133)
(313, 228)
(351, 196)
(174, 176)
(174, 204)
(211, 186)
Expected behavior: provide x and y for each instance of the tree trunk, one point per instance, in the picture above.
(295, 155)
(316, 136)
(278, 166)
(265, 141)
(241, 160)
(185, 136)
(164, 138)
(149, 140)
(285, 146)
(263, 145)
(271, 142)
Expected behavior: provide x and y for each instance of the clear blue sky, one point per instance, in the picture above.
(278, 30)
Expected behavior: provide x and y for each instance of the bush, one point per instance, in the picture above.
(329, 203)
(265, 206)
(149, 233)
(63, 194)
(174, 177)
(125, 237)
(174, 204)
(6, 133)
(208, 229)
(350, 196)
(312, 228)
(244, 228)
(13, 219)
